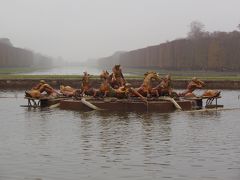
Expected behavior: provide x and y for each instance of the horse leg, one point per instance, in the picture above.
(83, 92)
(155, 92)
(140, 91)
(148, 94)
(95, 91)
(174, 94)
(105, 94)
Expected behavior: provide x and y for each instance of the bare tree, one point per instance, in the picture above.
(238, 26)
(196, 30)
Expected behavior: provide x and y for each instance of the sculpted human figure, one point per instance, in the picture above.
(85, 86)
(128, 91)
(146, 87)
(164, 88)
(192, 86)
(41, 87)
(105, 87)
(38, 86)
(124, 91)
(117, 78)
(68, 91)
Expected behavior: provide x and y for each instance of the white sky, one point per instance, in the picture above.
(82, 29)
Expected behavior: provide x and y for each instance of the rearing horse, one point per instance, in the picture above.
(163, 88)
(116, 77)
(192, 86)
(105, 87)
(85, 85)
(146, 87)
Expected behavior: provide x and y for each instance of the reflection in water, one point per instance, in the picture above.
(211, 114)
(58, 144)
(39, 126)
(157, 130)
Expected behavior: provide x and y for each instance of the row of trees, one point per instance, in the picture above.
(201, 50)
(16, 57)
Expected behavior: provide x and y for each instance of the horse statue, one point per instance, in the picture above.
(42, 87)
(86, 86)
(67, 90)
(105, 87)
(194, 84)
(146, 88)
(116, 77)
(163, 88)
(70, 91)
(211, 93)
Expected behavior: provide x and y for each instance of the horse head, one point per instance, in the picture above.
(146, 86)
(151, 75)
(198, 82)
(104, 75)
(85, 80)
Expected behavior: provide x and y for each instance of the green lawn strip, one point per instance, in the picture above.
(20, 76)
(19, 70)
(40, 76)
(174, 77)
(212, 78)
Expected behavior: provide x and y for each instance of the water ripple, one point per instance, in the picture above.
(58, 144)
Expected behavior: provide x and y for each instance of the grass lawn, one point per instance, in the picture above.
(16, 70)
(14, 73)
(174, 77)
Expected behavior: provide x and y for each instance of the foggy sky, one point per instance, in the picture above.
(82, 29)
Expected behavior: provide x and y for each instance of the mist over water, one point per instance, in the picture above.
(67, 70)
(73, 70)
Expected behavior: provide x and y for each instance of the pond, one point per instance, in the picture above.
(42, 144)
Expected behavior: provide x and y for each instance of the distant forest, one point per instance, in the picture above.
(12, 57)
(200, 50)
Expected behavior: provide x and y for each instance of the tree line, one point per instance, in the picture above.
(200, 50)
(11, 56)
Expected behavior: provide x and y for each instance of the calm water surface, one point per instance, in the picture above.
(57, 144)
